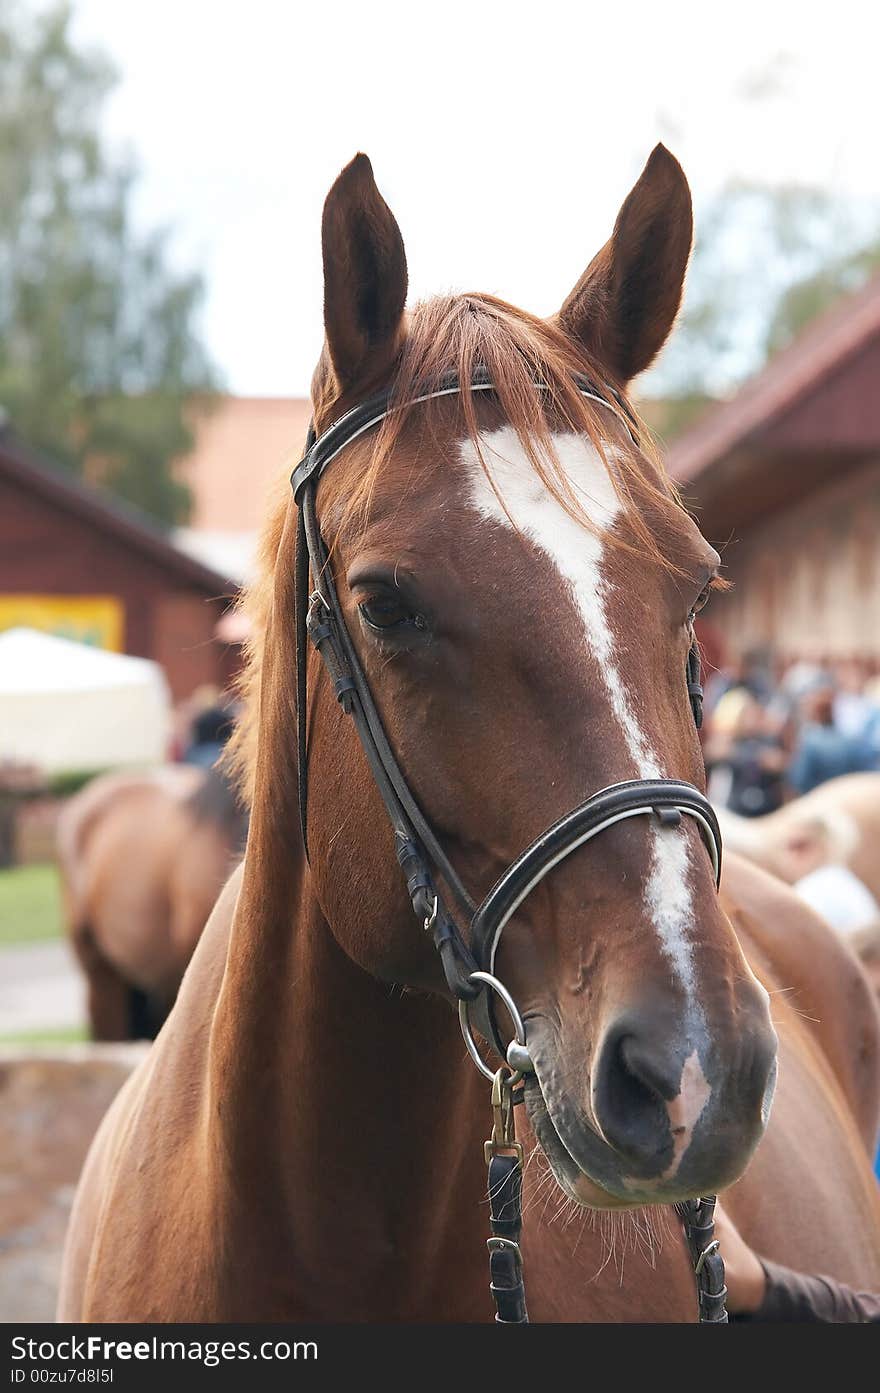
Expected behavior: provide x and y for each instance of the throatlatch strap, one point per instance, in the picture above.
(505, 1223)
(695, 683)
(301, 590)
(319, 619)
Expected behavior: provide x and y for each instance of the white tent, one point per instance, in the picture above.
(68, 706)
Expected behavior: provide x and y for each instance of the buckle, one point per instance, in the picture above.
(319, 618)
(503, 1140)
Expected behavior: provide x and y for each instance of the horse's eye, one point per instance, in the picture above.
(385, 612)
(702, 600)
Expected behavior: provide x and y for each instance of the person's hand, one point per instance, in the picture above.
(745, 1277)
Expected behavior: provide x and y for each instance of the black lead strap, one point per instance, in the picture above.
(698, 1219)
(504, 1157)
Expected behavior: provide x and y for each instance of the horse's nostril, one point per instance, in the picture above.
(642, 1059)
(630, 1086)
(650, 1094)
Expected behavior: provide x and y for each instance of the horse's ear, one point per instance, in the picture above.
(624, 304)
(364, 277)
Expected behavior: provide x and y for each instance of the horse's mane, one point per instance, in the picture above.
(216, 801)
(458, 334)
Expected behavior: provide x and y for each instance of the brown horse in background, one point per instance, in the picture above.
(838, 822)
(143, 858)
(304, 1141)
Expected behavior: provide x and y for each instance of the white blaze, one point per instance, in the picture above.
(577, 556)
(685, 1110)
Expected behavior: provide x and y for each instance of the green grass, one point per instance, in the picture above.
(30, 905)
(59, 1035)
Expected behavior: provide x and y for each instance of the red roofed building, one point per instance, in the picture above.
(76, 563)
(785, 480)
(244, 450)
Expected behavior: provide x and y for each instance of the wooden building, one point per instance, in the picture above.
(243, 451)
(74, 563)
(785, 481)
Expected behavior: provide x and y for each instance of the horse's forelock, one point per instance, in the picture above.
(456, 334)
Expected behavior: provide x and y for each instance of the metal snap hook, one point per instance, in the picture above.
(518, 1056)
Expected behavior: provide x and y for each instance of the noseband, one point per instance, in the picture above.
(468, 963)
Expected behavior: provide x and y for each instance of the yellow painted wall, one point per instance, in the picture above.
(94, 619)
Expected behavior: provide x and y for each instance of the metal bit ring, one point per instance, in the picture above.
(521, 1057)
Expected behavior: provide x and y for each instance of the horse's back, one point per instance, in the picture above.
(853, 801)
(121, 844)
(814, 1162)
(845, 812)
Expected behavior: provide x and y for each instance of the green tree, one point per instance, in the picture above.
(99, 352)
(767, 259)
(805, 300)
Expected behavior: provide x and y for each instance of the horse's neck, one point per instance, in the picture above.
(351, 1119)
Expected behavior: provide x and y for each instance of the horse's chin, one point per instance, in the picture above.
(592, 1174)
(562, 1150)
(572, 1180)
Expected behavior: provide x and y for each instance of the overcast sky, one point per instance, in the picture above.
(503, 135)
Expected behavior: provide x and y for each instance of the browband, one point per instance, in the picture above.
(321, 450)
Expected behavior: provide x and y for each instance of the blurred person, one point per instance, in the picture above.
(760, 1290)
(803, 675)
(720, 725)
(212, 723)
(856, 708)
(822, 751)
(747, 756)
(872, 680)
(751, 672)
(758, 672)
(728, 710)
(724, 679)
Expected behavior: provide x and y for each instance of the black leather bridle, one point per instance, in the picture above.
(424, 863)
(469, 962)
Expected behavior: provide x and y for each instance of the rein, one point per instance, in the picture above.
(468, 961)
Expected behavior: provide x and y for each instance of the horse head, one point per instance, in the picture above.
(518, 580)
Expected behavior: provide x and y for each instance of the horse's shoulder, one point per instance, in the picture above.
(815, 974)
(145, 1153)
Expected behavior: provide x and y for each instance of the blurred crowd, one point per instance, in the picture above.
(771, 731)
(203, 724)
(775, 731)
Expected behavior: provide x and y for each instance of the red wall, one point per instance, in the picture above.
(46, 550)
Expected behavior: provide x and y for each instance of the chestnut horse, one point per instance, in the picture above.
(837, 822)
(143, 858)
(518, 580)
